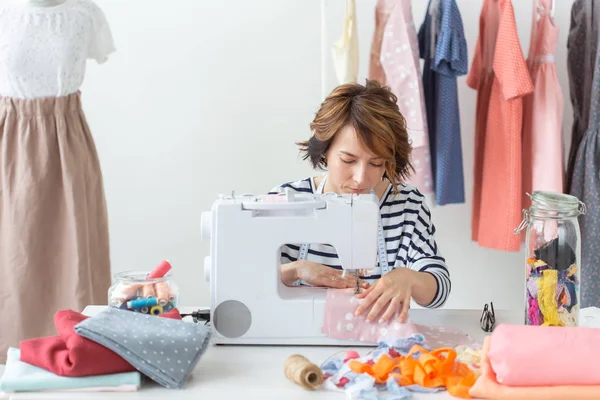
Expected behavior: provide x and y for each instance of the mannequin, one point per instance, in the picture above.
(54, 243)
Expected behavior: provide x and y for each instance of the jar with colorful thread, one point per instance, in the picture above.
(145, 292)
(553, 259)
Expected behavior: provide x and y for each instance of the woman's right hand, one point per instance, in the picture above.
(318, 275)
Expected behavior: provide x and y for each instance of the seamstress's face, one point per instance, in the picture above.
(352, 168)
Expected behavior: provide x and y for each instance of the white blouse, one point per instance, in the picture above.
(43, 50)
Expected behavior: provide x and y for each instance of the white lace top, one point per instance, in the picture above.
(43, 50)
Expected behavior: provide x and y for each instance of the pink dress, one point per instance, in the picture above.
(499, 73)
(543, 110)
(395, 62)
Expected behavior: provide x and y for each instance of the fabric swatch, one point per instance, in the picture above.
(379, 372)
(488, 387)
(20, 376)
(69, 354)
(341, 323)
(522, 355)
(163, 349)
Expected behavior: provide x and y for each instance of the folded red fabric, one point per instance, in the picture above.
(69, 354)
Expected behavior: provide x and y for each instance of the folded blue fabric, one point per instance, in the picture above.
(21, 377)
(166, 350)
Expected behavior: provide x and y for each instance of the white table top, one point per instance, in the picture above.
(256, 372)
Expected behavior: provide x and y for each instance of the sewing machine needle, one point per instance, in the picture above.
(357, 288)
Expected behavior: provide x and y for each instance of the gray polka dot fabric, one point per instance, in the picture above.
(165, 350)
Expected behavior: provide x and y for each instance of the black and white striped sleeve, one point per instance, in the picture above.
(423, 255)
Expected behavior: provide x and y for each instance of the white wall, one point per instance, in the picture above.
(204, 97)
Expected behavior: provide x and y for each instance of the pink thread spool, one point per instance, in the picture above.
(128, 292)
(160, 271)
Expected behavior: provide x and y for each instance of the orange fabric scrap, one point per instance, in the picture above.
(437, 368)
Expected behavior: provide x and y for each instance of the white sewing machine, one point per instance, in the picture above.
(249, 303)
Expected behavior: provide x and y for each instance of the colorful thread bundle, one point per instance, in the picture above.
(552, 294)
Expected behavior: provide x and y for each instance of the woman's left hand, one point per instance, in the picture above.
(393, 290)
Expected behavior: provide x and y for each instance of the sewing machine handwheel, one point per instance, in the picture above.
(232, 318)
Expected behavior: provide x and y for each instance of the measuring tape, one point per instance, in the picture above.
(382, 250)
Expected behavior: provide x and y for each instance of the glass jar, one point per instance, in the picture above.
(132, 290)
(553, 243)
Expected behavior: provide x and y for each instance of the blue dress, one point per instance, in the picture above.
(443, 46)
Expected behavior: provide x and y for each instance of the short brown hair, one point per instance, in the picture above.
(373, 112)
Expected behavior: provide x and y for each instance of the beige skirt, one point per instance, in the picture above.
(54, 246)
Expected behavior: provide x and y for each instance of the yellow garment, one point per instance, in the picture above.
(345, 50)
(547, 298)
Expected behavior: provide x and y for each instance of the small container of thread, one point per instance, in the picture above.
(145, 292)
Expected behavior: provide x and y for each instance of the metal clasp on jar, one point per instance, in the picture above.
(523, 223)
(582, 208)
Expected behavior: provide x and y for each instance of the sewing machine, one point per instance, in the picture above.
(249, 303)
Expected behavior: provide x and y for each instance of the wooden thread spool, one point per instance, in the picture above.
(301, 371)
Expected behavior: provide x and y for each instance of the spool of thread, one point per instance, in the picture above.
(160, 271)
(172, 296)
(130, 291)
(123, 305)
(302, 372)
(156, 310)
(139, 303)
(148, 291)
(144, 310)
(162, 292)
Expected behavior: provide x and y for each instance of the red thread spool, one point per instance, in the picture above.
(160, 271)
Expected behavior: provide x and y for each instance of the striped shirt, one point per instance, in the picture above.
(408, 231)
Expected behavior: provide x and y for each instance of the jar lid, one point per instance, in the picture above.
(558, 202)
(554, 200)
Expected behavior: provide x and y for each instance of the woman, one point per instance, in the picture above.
(360, 138)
